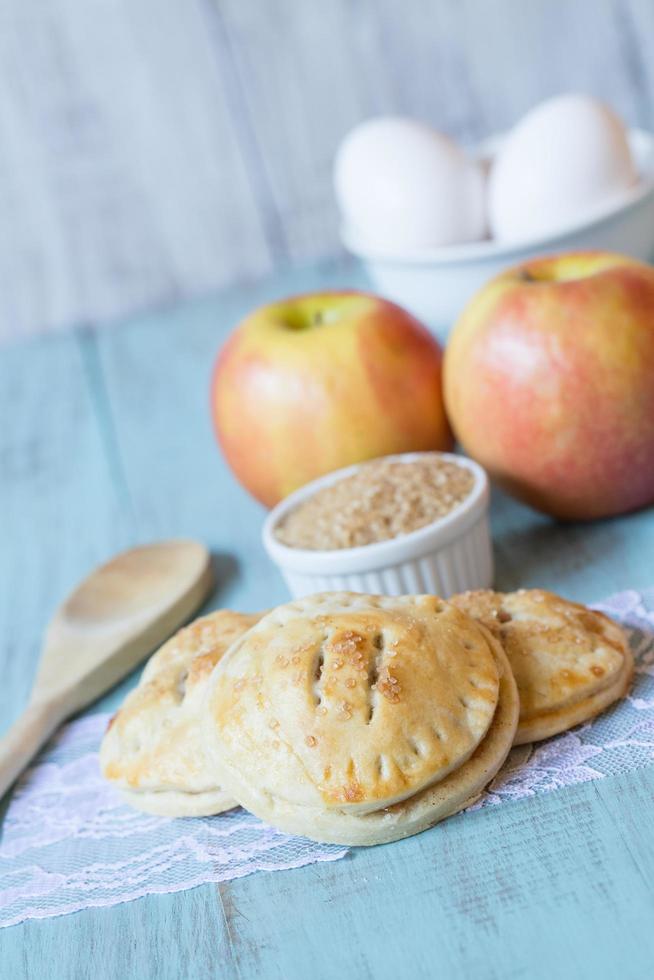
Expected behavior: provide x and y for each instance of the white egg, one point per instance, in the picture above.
(566, 161)
(402, 185)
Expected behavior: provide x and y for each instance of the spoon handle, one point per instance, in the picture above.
(25, 738)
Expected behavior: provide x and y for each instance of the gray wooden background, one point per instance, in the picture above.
(155, 149)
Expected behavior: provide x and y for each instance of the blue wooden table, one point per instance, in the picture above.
(105, 440)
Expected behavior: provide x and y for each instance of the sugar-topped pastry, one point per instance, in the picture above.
(153, 749)
(569, 662)
(360, 719)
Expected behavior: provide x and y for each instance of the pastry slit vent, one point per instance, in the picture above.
(384, 767)
(317, 676)
(373, 673)
(181, 685)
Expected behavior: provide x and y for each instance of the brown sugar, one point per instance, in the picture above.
(382, 500)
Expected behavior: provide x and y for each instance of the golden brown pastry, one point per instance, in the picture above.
(153, 749)
(360, 719)
(569, 662)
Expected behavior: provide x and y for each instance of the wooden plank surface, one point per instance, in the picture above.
(107, 441)
(61, 503)
(549, 887)
(122, 182)
(153, 151)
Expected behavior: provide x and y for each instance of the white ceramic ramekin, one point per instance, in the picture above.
(435, 284)
(450, 555)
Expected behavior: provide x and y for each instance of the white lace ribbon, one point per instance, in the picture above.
(70, 843)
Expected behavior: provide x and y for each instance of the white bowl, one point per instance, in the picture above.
(435, 284)
(448, 556)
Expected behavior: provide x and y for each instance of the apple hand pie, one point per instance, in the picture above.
(153, 750)
(569, 662)
(360, 719)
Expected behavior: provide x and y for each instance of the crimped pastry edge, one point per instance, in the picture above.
(549, 723)
(177, 803)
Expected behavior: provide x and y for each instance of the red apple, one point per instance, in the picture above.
(316, 382)
(549, 383)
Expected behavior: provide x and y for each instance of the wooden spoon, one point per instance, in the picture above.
(106, 626)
